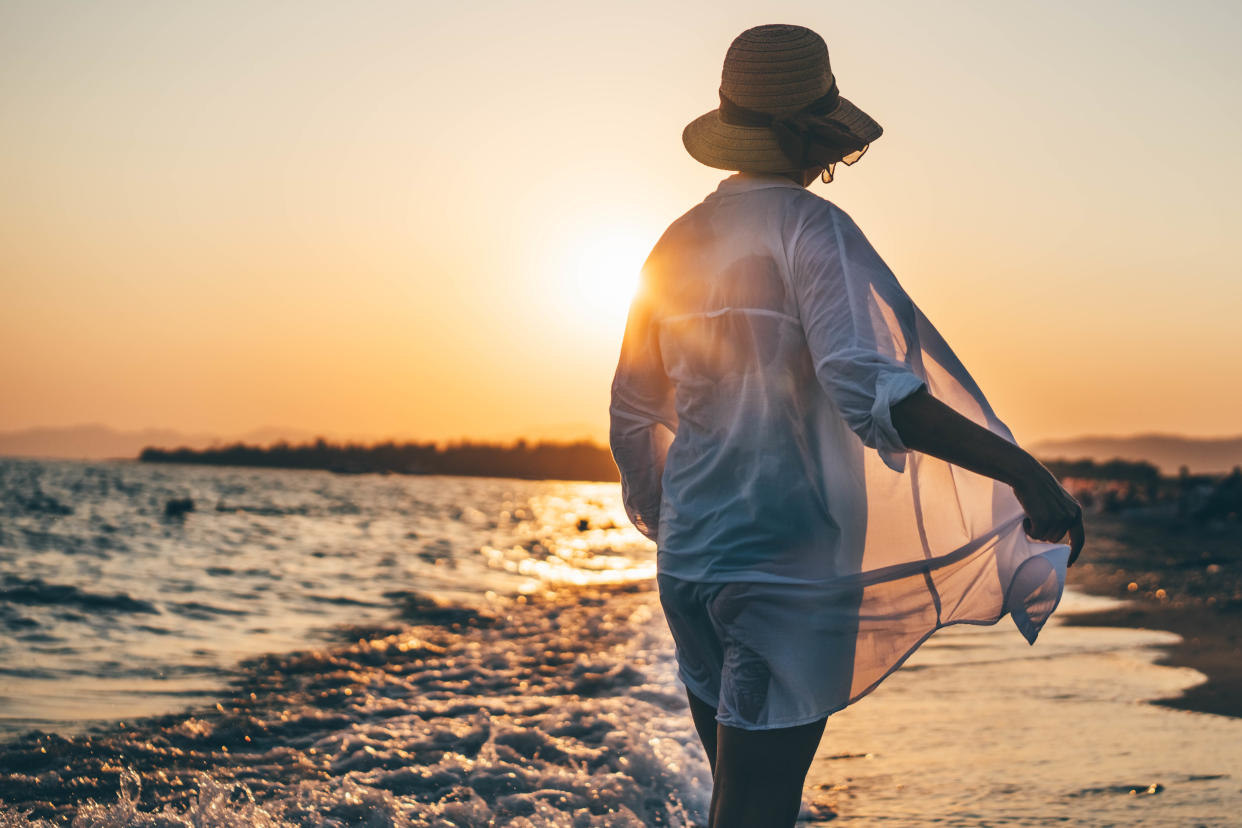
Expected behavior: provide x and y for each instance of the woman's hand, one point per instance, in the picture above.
(926, 424)
(1051, 511)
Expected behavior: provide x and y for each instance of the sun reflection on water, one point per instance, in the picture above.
(571, 534)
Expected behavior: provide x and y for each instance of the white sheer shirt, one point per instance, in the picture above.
(750, 421)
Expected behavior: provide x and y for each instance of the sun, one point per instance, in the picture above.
(601, 269)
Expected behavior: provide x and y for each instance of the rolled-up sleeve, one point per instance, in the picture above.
(859, 324)
(642, 418)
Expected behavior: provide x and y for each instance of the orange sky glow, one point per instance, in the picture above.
(424, 221)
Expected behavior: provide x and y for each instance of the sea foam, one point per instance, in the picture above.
(554, 709)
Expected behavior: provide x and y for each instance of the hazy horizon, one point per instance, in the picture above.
(570, 432)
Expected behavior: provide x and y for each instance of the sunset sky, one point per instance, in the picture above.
(424, 220)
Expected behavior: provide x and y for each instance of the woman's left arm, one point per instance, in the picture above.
(928, 425)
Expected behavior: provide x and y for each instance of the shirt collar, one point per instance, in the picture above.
(745, 182)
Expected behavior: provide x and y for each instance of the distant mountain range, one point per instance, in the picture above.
(1206, 455)
(1169, 452)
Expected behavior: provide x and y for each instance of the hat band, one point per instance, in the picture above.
(735, 114)
(807, 137)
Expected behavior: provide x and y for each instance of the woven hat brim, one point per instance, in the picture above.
(724, 146)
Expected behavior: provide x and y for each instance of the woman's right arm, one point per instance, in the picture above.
(928, 425)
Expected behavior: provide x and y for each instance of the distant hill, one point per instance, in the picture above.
(100, 442)
(1169, 452)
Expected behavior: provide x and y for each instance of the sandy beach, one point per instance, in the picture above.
(1181, 577)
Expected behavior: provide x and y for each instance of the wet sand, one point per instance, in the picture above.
(1180, 577)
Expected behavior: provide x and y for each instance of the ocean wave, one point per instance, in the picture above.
(200, 610)
(37, 592)
(553, 710)
(39, 501)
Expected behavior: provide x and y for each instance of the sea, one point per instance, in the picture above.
(304, 648)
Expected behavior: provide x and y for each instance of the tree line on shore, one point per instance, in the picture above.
(579, 460)
(1139, 489)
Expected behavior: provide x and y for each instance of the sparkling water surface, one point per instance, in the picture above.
(113, 609)
(392, 650)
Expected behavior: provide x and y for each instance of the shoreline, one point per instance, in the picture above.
(1177, 577)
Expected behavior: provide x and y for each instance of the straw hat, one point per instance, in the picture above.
(779, 108)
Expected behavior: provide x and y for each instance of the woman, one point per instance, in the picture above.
(825, 483)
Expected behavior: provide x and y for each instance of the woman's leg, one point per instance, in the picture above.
(758, 775)
(704, 716)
